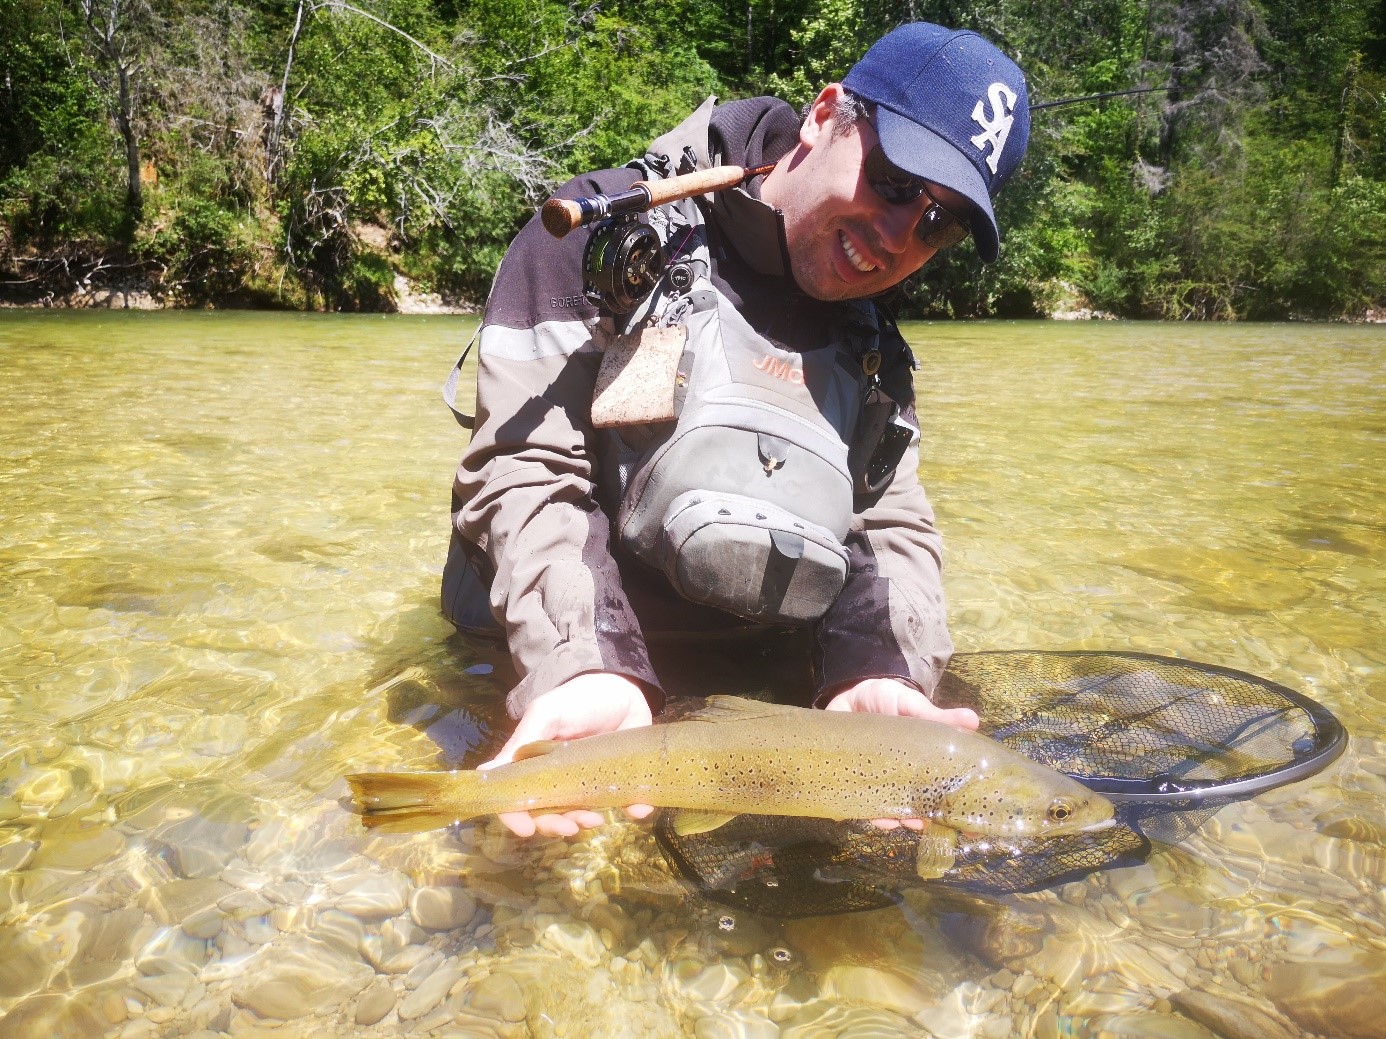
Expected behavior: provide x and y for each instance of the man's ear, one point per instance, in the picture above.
(819, 120)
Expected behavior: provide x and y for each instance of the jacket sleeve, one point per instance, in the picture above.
(890, 620)
(524, 494)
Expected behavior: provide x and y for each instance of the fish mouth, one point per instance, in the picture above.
(1105, 824)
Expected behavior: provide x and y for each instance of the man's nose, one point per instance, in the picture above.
(897, 223)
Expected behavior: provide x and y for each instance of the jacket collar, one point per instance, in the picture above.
(754, 230)
(752, 132)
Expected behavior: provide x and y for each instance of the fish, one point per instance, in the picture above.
(737, 756)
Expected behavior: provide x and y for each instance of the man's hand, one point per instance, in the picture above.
(583, 706)
(889, 696)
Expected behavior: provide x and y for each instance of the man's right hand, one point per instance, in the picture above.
(587, 705)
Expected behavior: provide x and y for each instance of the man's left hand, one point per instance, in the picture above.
(890, 696)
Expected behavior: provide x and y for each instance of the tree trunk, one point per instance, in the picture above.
(134, 192)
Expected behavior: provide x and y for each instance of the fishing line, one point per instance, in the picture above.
(1099, 97)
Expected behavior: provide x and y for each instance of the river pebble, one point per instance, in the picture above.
(574, 939)
(170, 950)
(109, 937)
(430, 993)
(77, 847)
(375, 1002)
(372, 896)
(166, 989)
(1151, 1025)
(298, 976)
(205, 924)
(441, 908)
(714, 983)
(863, 984)
(1229, 1016)
(499, 996)
(1346, 1001)
(49, 1015)
(202, 844)
(735, 1024)
(175, 900)
(16, 855)
(424, 969)
(829, 1020)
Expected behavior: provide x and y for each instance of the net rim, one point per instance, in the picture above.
(1330, 738)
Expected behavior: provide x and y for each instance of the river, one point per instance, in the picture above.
(221, 542)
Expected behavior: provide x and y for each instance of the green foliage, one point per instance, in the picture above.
(203, 244)
(416, 136)
(59, 160)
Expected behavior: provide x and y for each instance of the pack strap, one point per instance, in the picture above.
(450, 387)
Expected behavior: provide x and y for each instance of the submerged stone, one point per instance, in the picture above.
(442, 908)
(375, 1002)
(1346, 1001)
(299, 976)
(53, 1017)
(497, 996)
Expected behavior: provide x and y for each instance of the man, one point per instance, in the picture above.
(560, 534)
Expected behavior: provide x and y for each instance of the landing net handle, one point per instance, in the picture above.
(561, 215)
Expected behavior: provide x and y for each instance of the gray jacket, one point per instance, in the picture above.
(533, 507)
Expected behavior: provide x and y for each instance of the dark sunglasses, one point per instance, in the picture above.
(937, 228)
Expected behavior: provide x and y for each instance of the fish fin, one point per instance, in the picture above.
(937, 848)
(727, 708)
(537, 749)
(404, 802)
(687, 821)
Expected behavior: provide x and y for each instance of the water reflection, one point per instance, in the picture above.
(220, 549)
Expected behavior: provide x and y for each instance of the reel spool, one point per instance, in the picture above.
(621, 264)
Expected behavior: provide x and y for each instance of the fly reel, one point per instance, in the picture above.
(621, 264)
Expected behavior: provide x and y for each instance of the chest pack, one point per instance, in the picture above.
(738, 484)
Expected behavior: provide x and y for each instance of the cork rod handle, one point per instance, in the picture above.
(561, 215)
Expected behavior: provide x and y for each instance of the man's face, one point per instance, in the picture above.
(845, 241)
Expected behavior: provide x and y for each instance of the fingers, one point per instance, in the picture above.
(894, 824)
(890, 696)
(521, 824)
(566, 824)
(958, 717)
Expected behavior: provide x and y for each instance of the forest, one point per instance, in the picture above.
(320, 154)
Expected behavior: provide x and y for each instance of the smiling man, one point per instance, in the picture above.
(729, 445)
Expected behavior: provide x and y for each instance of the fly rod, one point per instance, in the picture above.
(561, 215)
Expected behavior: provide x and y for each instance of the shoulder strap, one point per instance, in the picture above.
(450, 387)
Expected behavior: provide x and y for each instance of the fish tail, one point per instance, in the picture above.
(410, 802)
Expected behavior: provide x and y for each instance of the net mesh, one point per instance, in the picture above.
(1168, 741)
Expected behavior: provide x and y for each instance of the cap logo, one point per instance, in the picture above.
(997, 128)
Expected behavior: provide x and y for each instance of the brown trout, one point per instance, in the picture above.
(737, 756)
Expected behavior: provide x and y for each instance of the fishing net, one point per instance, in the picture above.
(1169, 742)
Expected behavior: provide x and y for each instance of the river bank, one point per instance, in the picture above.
(408, 298)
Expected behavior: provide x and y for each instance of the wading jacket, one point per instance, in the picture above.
(532, 509)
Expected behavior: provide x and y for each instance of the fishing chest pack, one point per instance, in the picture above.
(735, 461)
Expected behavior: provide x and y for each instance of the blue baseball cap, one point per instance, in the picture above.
(950, 108)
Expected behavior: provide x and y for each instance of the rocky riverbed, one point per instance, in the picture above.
(170, 924)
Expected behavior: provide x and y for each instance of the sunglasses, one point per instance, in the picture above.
(937, 228)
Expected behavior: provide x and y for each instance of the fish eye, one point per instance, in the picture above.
(1060, 811)
(727, 923)
(781, 954)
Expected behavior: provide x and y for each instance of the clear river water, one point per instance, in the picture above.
(220, 543)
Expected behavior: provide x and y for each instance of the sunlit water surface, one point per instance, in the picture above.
(221, 542)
